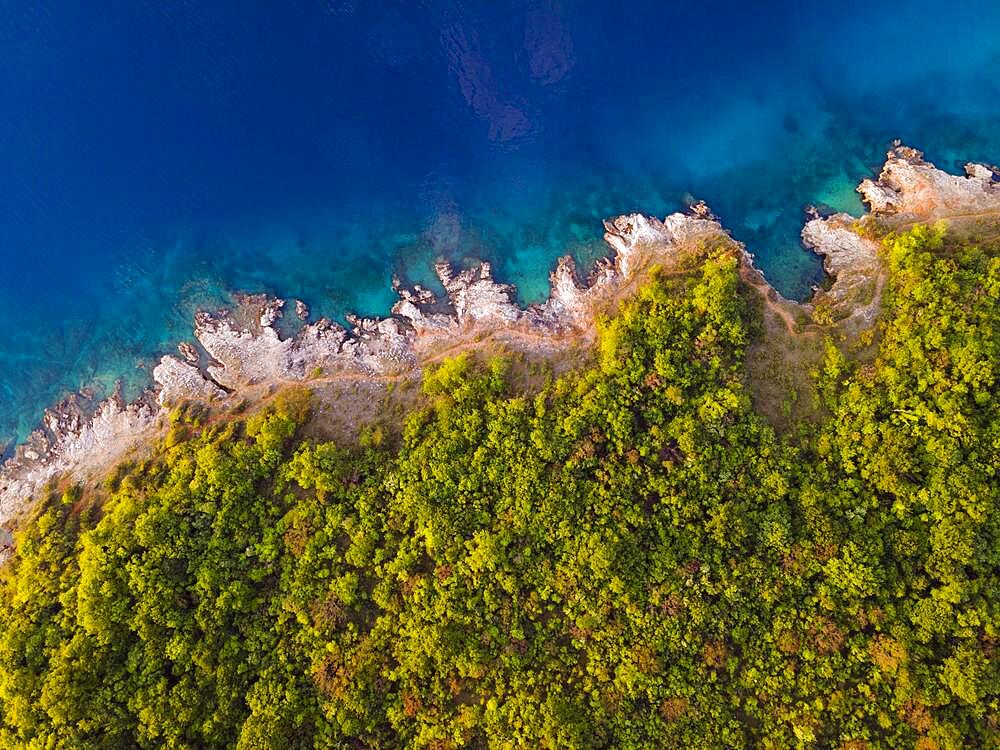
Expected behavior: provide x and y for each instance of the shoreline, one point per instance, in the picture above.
(240, 353)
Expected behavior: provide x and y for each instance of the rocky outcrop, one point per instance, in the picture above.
(568, 302)
(243, 343)
(244, 352)
(72, 434)
(851, 260)
(913, 188)
(637, 239)
(476, 297)
(189, 352)
(179, 381)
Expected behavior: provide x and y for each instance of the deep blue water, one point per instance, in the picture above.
(155, 155)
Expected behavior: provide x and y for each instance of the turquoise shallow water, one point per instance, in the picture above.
(155, 157)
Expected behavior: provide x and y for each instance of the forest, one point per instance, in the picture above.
(628, 556)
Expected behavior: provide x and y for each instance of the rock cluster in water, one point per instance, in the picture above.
(241, 347)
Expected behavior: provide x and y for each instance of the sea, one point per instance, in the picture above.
(157, 155)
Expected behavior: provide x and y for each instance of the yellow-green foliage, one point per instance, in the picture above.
(627, 558)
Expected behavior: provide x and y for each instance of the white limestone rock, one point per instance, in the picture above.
(180, 381)
(71, 441)
(189, 352)
(636, 238)
(914, 188)
(243, 342)
(476, 296)
(850, 259)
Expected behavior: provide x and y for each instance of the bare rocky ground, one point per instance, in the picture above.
(372, 371)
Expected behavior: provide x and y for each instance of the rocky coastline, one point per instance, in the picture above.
(240, 350)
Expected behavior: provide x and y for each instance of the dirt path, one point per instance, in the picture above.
(764, 290)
